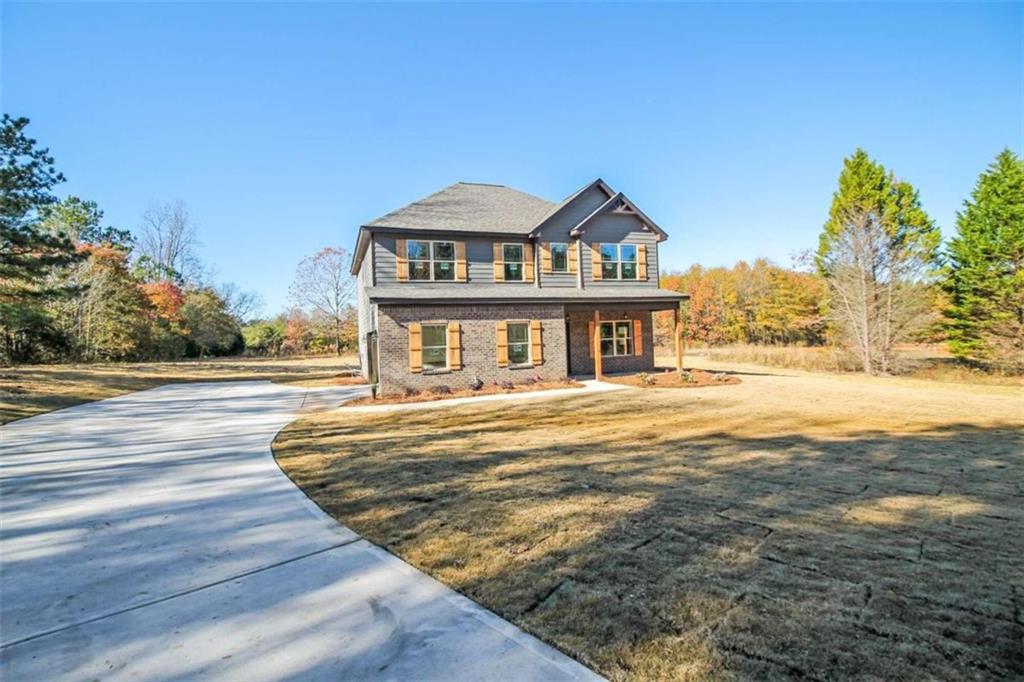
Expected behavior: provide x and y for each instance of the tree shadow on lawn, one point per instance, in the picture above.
(785, 555)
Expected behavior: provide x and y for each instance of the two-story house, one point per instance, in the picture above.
(486, 282)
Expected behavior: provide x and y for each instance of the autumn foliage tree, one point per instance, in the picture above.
(748, 303)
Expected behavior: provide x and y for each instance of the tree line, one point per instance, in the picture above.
(74, 289)
(882, 277)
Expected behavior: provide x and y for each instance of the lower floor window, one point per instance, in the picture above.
(617, 338)
(519, 343)
(435, 346)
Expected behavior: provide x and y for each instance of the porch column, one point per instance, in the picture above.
(598, 373)
(679, 340)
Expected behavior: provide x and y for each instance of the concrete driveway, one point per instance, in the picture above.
(152, 536)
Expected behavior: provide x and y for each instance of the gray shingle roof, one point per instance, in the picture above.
(470, 207)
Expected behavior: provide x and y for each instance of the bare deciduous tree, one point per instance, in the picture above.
(168, 239)
(324, 287)
(241, 305)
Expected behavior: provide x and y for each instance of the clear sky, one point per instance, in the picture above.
(284, 127)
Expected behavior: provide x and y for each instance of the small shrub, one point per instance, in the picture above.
(477, 384)
(718, 376)
(645, 379)
(507, 385)
(686, 377)
(530, 381)
(411, 392)
(441, 390)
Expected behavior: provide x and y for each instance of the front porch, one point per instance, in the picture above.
(615, 339)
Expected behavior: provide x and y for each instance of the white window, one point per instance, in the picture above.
(618, 261)
(519, 343)
(512, 255)
(616, 338)
(560, 257)
(429, 260)
(435, 347)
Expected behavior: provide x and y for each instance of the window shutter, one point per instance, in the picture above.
(499, 263)
(415, 347)
(536, 342)
(461, 270)
(401, 261)
(590, 338)
(454, 345)
(528, 262)
(638, 337)
(502, 344)
(595, 261)
(573, 257)
(641, 261)
(545, 258)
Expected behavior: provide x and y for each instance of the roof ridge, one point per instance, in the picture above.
(482, 184)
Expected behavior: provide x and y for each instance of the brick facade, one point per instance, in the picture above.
(580, 361)
(479, 344)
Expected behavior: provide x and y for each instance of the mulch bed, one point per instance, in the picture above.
(669, 378)
(488, 389)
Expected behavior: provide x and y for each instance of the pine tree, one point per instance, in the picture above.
(877, 252)
(29, 257)
(986, 269)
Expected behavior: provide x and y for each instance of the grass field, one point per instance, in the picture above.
(793, 525)
(33, 389)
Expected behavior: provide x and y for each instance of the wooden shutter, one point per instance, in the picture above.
(528, 262)
(536, 342)
(454, 345)
(595, 261)
(573, 258)
(502, 344)
(401, 261)
(545, 258)
(461, 269)
(590, 337)
(415, 347)
(499, 263)
(641, 261)
(638, 337)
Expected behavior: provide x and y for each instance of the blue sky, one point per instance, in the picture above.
(284, 127)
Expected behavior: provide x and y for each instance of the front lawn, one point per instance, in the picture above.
(27, 390)
(788, 526)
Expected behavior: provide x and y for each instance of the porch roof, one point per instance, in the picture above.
(455, 294)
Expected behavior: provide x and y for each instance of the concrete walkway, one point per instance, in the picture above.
(152, 536)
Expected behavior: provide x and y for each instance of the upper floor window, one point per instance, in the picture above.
(560, 258)
(431, 260)
(618, 261)
(512, 254)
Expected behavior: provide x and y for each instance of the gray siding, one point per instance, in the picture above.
(479, 257)
(617, 228)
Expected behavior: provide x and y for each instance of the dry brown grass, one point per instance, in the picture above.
(917, 361)
(487, 389)
(794, 525)
(33, 389)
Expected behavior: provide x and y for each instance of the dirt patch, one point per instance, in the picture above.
(793, 526)
(486, 389)
(668, 378)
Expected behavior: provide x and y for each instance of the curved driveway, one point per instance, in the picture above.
(152, 536)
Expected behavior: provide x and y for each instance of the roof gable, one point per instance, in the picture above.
(619, 204)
